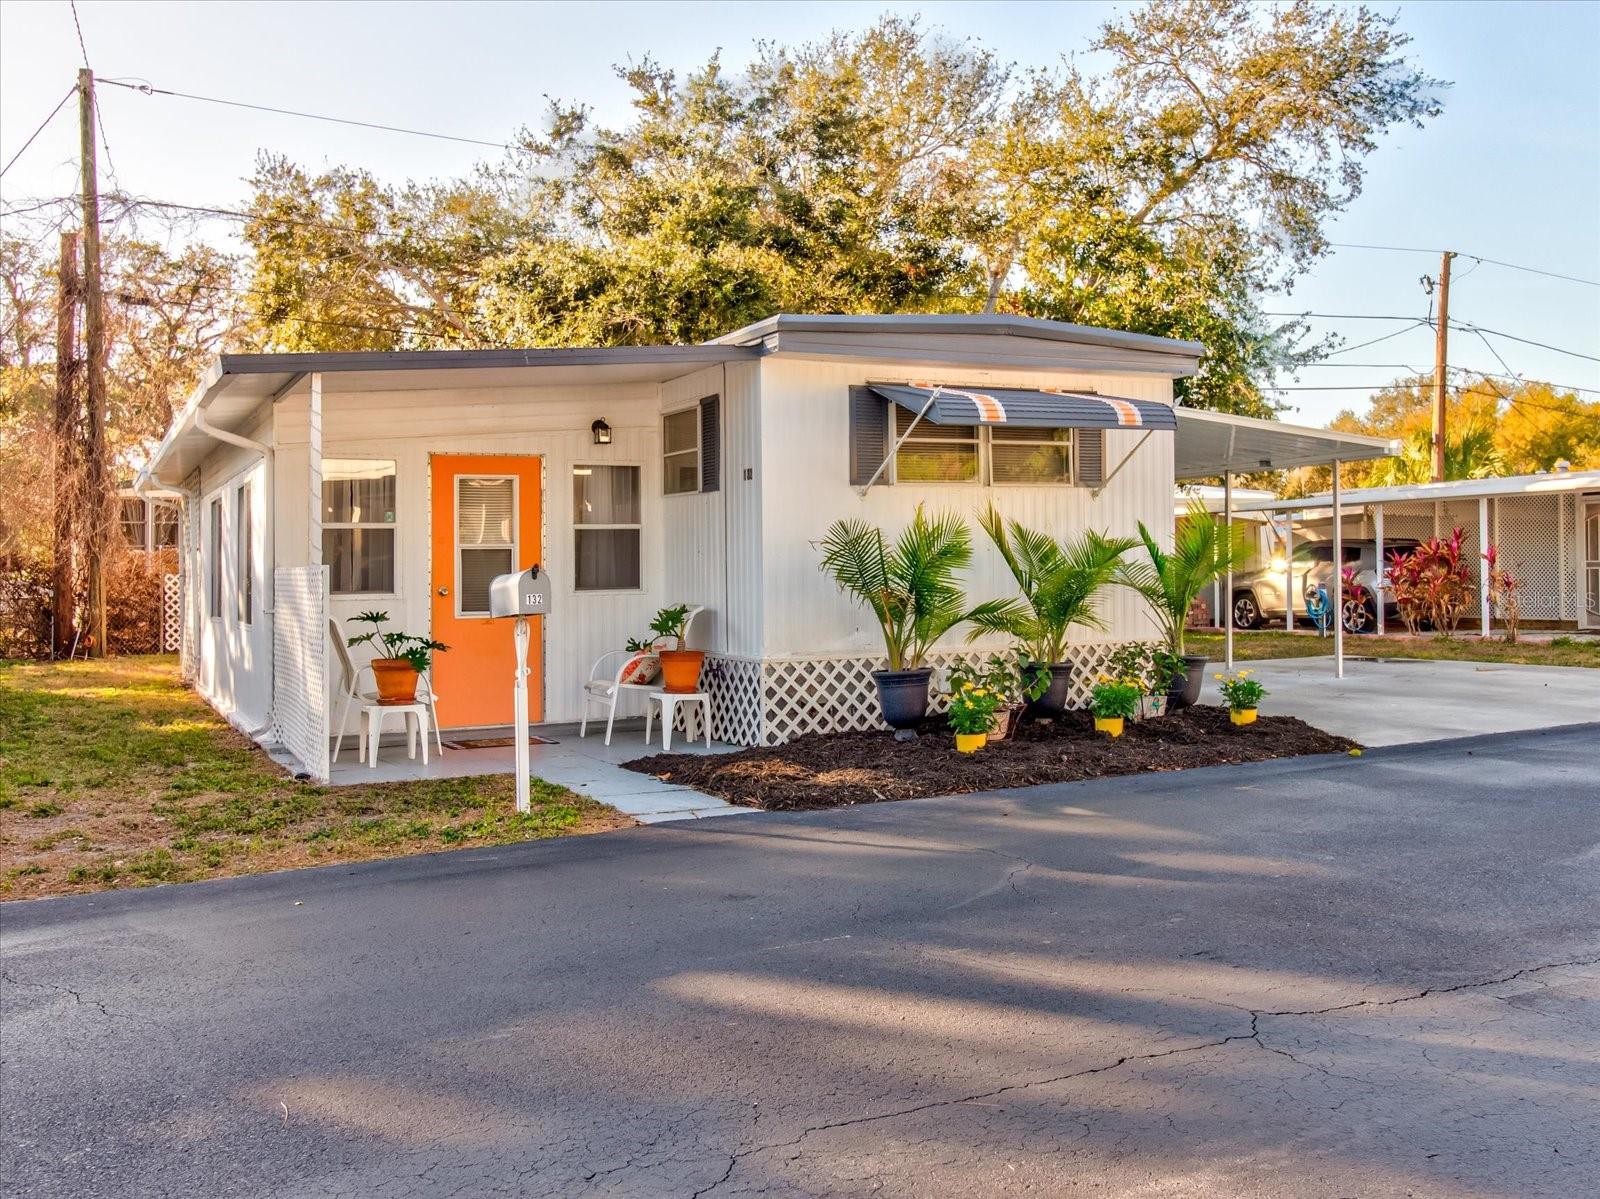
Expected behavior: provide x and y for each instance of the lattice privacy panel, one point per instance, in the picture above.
(171, 613)
(1526, 532)
(300, 704)
(770, 701)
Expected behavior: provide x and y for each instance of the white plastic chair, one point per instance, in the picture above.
(351, 692)
(604, 686)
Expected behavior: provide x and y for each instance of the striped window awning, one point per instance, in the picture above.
(1028, 407)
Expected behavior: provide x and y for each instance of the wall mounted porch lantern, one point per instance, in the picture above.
(602, 432)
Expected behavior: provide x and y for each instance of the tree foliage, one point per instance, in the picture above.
(894, 169)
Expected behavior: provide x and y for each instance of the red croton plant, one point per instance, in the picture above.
(1503, 592)
(1433, 584)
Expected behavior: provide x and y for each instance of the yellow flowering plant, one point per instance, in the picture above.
(972, 708)
(1240, 692)
(1116, 697)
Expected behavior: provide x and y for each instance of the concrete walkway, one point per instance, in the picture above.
(584, 764)
(1393, 701)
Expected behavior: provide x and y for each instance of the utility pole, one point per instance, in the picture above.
(97, 495)
(1441, 357)
(65, 428)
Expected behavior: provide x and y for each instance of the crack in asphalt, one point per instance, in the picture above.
(6, 976)
(1254, 1035)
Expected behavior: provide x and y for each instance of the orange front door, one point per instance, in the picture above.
(485, 523)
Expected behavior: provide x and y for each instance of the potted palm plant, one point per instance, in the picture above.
(1059, 582)
(910, 588)
(406, 656)
(1171, 580)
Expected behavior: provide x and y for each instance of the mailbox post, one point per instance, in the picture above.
(521, 594)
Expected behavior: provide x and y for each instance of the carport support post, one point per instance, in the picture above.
(1338, 577)
(1227, 590)
(314, 470)
(1483, 564)
(1288, 572)
(1378, 568)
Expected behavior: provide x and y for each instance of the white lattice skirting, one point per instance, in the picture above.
(767, 701)
(171, 613)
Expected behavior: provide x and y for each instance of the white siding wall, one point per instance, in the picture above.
(233, 662)
(711, 541)
(552, 422)
(300, 658)
(805, 476)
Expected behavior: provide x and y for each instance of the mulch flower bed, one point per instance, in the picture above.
(838, 769)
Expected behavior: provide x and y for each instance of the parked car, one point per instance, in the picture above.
(1258, 598)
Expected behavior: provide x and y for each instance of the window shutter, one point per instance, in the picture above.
(869, 435)
(1091, 465)
(710, 443)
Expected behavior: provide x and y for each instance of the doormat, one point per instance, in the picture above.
(495, 742)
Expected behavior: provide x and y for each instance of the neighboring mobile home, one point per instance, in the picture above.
(330, 484)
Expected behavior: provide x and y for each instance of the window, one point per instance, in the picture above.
(244, 552)
(133, 521)
(998, 453)
(164, 516)
(680, 452)
(934, 453)
(1019, 455)
(215, 573)
(605, 513)
(358, 502)
(486, 538)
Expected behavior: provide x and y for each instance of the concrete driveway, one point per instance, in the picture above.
(1391, 701)
(1332, 977)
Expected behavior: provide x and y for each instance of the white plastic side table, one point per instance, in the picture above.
(699, 707)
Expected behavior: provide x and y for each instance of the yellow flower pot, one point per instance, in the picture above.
(1108, 724)
(970, 743)
(1242, 715)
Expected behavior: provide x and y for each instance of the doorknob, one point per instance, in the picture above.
(444, 591)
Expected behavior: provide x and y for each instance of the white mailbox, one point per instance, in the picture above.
(526, 593)
(522, 594)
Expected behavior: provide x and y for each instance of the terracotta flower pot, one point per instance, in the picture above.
(1004, 720)
(1242, 715)
(1108, 724)
(680, 669)
(397, 680)
(970, 743)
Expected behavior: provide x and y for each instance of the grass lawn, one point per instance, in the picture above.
(1561, 651)
(112, 774)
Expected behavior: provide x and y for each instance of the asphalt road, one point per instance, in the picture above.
(1347, 977)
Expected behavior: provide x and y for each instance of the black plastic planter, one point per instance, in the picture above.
(1052, 705)
(903, 696)
(1184, 690)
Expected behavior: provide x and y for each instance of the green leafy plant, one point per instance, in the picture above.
(1171, 580)
(910, 586)
(1013, 677)
(418, 651)
(671, 622)
(972, 708)
(1112, 698)
(1058, 581)
(1240, 692)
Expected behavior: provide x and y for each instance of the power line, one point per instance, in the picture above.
(1341, 316)
(1470, 328)
(1421, 324)
(149, 90)
(36, 133)
(1515, 266)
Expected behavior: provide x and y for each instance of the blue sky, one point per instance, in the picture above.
(1511, 171)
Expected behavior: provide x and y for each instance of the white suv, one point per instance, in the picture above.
(1258, 597)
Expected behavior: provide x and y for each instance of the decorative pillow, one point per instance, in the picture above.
(641, 669)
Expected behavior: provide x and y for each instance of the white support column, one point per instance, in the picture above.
(314, 469)
(1288, 572)
(1337, 598)
(1227, 532)
(1380, 579)
(1483, 565)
